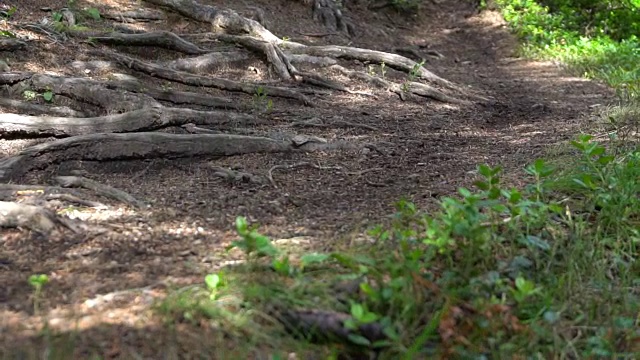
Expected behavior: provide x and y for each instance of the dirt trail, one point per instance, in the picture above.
(434, 149)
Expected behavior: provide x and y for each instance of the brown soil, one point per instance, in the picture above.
(435, 149)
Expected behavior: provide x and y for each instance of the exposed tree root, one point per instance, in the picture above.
(145, 145)
(135, 15)
(196, 80)
(134, 146)
(162, 39)
(34, 218)
(9, 44)
(328, 13)
(37, 109)
(402, 90)
(100, 189)
(222, 20)
(10, 192)
(394, 61)
(76, 200)
(207, 62)
(90, 92)
(316, 122)
(276, 59)
(172, 96)
(12, 125)
(229, 22)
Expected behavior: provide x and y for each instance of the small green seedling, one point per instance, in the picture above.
(252, 242)
(37, 281)
(48, 96)
(260, 99)
(214, 283)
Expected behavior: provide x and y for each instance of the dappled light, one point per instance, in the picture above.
(307, 179)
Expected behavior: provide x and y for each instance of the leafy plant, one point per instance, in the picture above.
(261, 101)
(48, 96)
(93, 13)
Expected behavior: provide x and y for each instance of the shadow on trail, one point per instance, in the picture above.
(434, 150)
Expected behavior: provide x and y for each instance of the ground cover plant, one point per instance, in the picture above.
(548, 271)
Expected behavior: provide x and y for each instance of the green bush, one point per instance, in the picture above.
(598, 39)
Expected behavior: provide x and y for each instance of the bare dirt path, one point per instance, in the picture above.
(432, 148)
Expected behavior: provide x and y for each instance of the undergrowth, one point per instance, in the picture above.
(547, 271)
(598, 39)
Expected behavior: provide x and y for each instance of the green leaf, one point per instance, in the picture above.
(604, 160)
(241, 225)
(359, 340)
(368, 318)
(213, 281)
(94, 13)
(391, 332)
(38, 280)
(482, 185)
(464, 192)
(308, 259)
(7, 33)
(485, 171)
(357, 311)
(367, 289)
(536, 242)
(48, 96)
(350, 324)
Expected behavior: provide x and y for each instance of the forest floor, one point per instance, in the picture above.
(433, 149)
